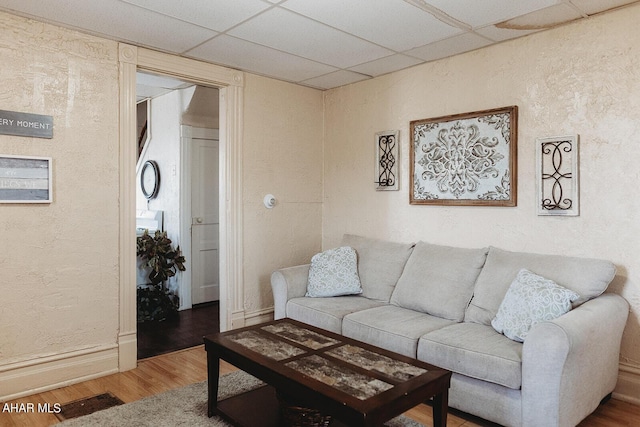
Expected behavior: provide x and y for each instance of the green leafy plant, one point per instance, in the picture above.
(155, 300)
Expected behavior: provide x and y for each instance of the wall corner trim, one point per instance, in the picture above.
(127, 53)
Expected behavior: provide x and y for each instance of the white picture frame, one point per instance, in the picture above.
(557, 175)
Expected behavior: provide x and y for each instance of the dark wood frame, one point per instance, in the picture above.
(513, 160)
(343, 407)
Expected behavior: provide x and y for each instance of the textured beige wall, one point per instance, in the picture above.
(282, 156)
(581, 78)
(59, 262)
(59, 266)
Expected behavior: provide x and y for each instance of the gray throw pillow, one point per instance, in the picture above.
(334, 272)
(531, 299)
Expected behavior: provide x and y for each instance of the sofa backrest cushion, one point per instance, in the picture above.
(380, 264)
(439, 280)
(586, 276)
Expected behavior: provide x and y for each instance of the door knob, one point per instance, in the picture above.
(199, 220)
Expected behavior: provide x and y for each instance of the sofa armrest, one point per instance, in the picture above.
(288, 283)
(571, 363)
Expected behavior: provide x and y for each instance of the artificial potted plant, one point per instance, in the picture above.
(155, 300)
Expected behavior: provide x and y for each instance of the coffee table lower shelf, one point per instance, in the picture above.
(255, 408)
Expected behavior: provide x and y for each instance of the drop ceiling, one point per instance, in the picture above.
(317, 43)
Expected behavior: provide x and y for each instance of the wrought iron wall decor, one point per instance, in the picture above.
(465, 159)
(557, 175)
(387, 160)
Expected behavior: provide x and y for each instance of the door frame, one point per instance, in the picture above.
(187, 134)
(231, 86)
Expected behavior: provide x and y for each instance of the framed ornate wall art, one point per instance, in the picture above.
(465, 159)
(387, 160)
(557, 172)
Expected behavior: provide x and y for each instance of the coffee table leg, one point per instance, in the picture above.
(213, 375)
(440, 408)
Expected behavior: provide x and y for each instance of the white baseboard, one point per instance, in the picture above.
(127, 350)
(258, 316)
(628, 387)
(36, 376)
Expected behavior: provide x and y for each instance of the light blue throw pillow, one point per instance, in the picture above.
(530, 299)
(334, 272)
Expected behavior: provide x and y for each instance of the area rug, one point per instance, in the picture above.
(186, 406)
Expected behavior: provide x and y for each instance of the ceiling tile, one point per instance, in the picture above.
(259, 59)
(394, 24)
(218, 15)
(339, 78)
(452, 46)
(119, 21)
(301, 36)
(591, 7)
(386, 65)
(158, 80)
(154, 85)
(488, 12)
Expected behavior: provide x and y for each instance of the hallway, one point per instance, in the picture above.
(184, 331)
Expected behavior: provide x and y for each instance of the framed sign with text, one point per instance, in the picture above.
(26, 124)
(25, 179)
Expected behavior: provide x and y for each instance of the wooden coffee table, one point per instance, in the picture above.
(356, 383)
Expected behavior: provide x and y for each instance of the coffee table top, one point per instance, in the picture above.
(353, 373)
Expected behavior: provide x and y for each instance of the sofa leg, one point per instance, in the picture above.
(606, 398)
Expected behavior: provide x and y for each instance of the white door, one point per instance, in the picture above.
(205, 227)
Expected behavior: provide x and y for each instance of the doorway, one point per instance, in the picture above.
(231, 87)
(187, 201)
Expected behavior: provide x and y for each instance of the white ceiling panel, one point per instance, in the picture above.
(481, 13)
(394, 24)
(318, 43)
(157, 80)
(386, 65)
(218, 15)
(339, 78)
(259, 59)
(301, 36)
(120, 21)
(454, 45)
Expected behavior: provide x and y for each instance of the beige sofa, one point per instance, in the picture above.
(437, 303)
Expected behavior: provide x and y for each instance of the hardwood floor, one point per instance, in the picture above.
(184, 331)
(177, 369)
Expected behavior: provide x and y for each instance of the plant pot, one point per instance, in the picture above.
(155, 304)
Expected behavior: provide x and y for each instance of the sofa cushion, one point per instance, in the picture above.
(530, 299)
(327, 313)
(380, 264)
(439, 280)
(587, 277)
(333, 273)
(476, 351)
(390, 327)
